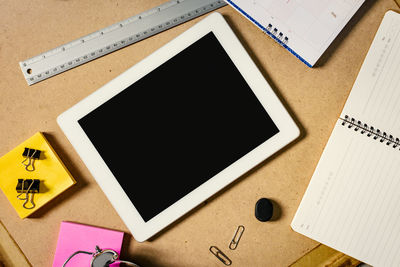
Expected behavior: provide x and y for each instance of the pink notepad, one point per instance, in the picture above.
(74, 237)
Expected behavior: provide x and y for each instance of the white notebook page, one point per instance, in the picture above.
(353, 200)
(375, 96)
(309, 25)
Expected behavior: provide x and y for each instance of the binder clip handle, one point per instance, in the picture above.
(30, 199)
(101, 258)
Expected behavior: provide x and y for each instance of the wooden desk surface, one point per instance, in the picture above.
(314, 96)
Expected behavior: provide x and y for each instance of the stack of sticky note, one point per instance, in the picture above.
(75, 237)
(49, 169)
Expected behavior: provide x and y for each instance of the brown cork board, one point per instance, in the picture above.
(314, 96)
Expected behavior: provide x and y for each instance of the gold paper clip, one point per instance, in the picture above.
(28, 187)
(220, 255)
(30, 155)
(236, 238)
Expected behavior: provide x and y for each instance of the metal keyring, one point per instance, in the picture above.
(102, 258)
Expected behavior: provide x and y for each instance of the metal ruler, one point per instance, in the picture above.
(114, 37)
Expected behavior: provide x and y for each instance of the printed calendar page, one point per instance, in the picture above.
(305, 27)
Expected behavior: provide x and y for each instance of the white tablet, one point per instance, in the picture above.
(178, 126)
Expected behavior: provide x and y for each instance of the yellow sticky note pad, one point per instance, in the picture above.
(49, 169)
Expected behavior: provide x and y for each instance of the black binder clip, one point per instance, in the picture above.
(29, 187)
(30, 155)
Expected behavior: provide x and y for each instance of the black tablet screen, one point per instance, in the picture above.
(178, 126)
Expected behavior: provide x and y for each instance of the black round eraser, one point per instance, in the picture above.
(264, 209)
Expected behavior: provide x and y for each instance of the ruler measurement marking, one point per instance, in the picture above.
(114, 37)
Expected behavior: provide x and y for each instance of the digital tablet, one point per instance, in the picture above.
(178, 126)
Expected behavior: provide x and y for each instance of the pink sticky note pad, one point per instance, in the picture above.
(73, 237)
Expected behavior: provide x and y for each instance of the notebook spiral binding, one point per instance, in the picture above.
(277, 34)
(376, 134)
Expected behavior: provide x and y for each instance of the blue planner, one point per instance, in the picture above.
(304, 28)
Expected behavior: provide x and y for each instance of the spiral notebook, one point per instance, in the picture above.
(304, 28)
(352, 203)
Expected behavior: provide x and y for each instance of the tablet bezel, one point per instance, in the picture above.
(141, 230)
